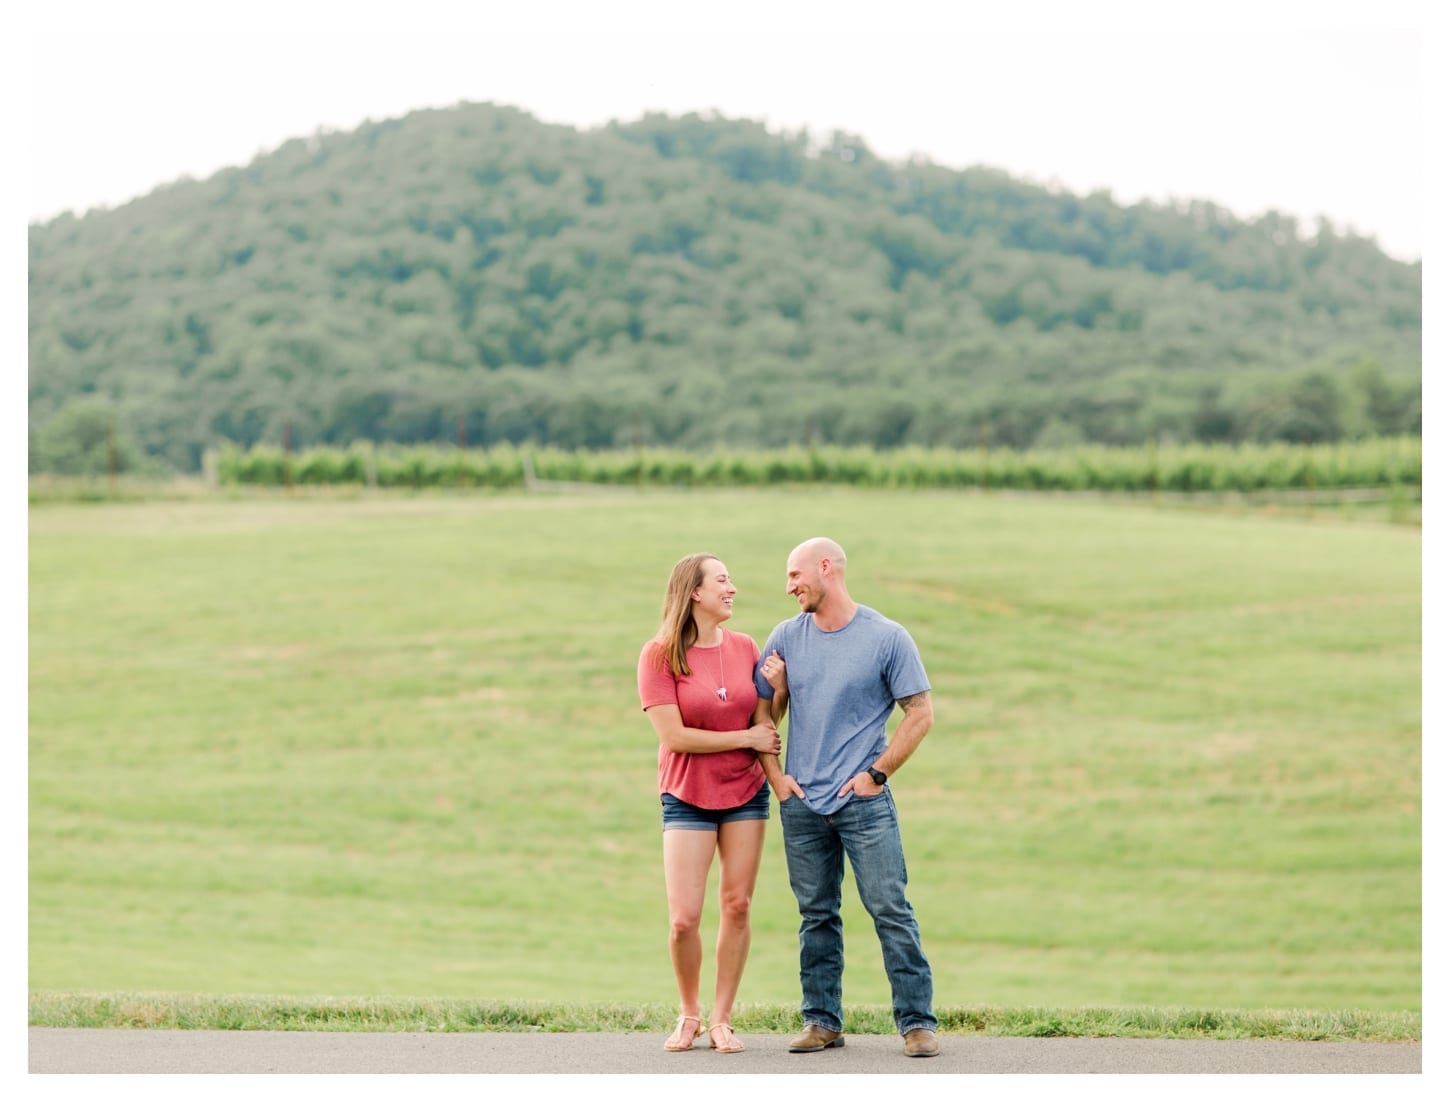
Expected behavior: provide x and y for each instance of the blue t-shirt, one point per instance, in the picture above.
(843, 686)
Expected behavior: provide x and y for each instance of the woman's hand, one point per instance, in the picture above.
(763, 738)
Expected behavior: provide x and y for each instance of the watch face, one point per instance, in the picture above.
(877, 776)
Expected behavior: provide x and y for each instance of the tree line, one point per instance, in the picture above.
(472, 275)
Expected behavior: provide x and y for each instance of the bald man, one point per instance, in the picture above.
(841, 669)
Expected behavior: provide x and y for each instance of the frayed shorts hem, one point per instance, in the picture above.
(676, 814)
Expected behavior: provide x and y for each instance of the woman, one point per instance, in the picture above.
(696, 685)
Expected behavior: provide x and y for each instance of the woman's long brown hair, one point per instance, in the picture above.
(677, 632)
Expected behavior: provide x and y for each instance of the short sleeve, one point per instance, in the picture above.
(905, 675)
(656, 682)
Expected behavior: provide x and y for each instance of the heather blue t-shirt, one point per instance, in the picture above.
(843, 685)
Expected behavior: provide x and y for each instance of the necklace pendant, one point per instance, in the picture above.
(720, 692)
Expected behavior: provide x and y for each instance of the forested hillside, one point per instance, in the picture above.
(474, 274)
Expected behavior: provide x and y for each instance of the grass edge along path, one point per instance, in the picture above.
(392, 1015)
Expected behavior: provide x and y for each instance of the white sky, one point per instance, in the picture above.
(1309, 109)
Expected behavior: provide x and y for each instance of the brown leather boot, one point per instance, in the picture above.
(921, 1042)
(816, 1038)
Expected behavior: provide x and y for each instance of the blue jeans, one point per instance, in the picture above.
(866, 831)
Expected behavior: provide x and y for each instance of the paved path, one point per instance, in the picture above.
(193, 1051)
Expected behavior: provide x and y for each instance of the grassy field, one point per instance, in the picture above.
(391, 747)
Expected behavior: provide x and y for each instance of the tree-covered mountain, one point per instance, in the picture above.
(473, 273)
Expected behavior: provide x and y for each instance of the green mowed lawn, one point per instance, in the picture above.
(392, 747)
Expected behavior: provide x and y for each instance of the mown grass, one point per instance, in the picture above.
(138, 1011)
(390, 749)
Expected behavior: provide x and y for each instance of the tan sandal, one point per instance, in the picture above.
(685, 1043)
(730, 1043)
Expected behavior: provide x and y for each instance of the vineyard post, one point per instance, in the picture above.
(983, 478)
(811, 465)
(1308, 476)
(462, 446)
(1153, 466)
(287, 454)
(638, 451)
(112, 462)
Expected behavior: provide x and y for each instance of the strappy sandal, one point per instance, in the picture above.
(730, 1043)
(685, 1043)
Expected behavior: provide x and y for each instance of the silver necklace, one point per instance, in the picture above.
(720, 692)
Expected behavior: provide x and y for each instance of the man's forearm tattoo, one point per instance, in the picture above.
(909, 702)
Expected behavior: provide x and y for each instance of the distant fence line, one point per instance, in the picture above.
(1381, 463)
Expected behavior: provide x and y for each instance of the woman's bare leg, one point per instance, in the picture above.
(688, 854)
(740, 845)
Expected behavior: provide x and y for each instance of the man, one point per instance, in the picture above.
(846, 667)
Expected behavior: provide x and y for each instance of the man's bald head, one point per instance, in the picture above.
(819, 548)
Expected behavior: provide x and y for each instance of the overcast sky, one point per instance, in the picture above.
(1309, 109)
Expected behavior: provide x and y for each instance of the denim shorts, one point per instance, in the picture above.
(679, 815)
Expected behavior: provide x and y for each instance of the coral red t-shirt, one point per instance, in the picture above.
(727, 778)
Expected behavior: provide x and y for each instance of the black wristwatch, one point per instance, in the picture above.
(877, 777)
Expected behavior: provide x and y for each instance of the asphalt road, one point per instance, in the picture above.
(116, 1051)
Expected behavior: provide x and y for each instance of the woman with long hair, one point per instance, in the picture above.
(696, 685)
